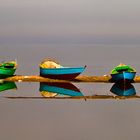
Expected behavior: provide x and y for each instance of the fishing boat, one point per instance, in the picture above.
(55, 89)
(7, 69)
(51, 69)
(123, 73)
(7, 86)
(123, 89)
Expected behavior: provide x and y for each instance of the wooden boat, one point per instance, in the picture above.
(50, 69)
(7, 69)
(55, 89)
(61, 73)
(123, 73)
(7, 86)
(123, 89)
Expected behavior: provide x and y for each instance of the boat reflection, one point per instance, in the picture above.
(123, 89)
(7, 86)
(55, 89)
(69, 91)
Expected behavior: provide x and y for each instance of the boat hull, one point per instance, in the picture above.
(123, 89)
(61, 89)
(6, 72)
(61, 73)
(7, 85)
(123, 76)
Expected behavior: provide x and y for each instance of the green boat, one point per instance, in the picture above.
(7, 69)
(7, 86)
(123, 73)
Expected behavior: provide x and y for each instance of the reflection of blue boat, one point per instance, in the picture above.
(7, 85)
(123, 89)
(59, 89)
(123, 73)
(61, 73)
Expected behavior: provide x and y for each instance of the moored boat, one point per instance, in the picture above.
(123, 73)
(51, 69)
(7, 69)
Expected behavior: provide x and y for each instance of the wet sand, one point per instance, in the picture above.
(93, 97)
(83, 78)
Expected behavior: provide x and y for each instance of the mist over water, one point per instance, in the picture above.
(75, 21)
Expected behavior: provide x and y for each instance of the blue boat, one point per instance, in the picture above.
(123, 73)
(123, 89)
(55, 89)
(61, 73)
(51, 69)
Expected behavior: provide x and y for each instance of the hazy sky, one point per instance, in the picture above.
(70, 20)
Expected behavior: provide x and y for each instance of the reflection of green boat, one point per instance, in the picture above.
(54, 89)
(7, 69)
(7, 85)
(123, 73)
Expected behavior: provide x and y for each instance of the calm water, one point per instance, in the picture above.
(61, 119)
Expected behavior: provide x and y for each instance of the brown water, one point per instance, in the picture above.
(69, 118)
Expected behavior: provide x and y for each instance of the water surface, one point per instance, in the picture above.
(67, 118)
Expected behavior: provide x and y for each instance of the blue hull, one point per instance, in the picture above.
(61, 89)
(124, 76)
(123, 90)
(61, 73)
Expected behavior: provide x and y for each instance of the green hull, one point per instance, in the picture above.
(7, 69)
(7, 85)
(6, 72)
